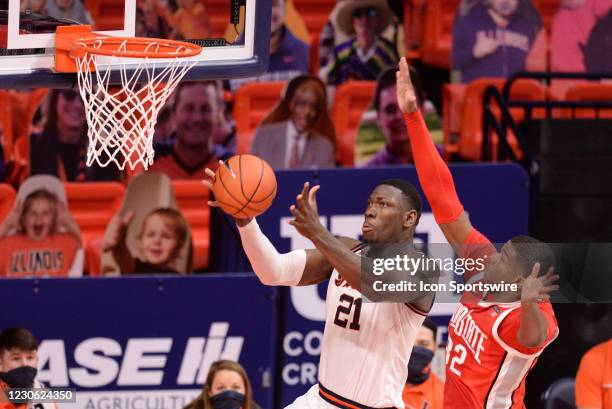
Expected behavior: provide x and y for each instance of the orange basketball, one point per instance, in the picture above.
(245, 186)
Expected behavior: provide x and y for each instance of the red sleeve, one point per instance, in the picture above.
(476, 246)
(434, 176)
(509, 327)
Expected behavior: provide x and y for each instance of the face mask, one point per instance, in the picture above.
(418, 366)
(227, 400)
(22, 377)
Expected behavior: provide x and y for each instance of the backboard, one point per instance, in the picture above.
(234, 34)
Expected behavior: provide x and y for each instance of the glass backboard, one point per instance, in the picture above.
(234, 34)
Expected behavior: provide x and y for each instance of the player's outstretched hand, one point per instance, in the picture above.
(536, 289)
(406, 97)
(117, 229)
(209, 181)
(305, 212)
(210, 174)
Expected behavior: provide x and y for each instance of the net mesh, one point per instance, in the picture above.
(121, 120)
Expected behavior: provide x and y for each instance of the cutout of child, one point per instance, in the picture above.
(39, 237)
(162, 236)
(148, 235)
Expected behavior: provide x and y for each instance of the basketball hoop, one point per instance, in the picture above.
(121, 122)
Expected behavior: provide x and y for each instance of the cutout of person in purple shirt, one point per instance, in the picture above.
(391, 122)
(497, 38)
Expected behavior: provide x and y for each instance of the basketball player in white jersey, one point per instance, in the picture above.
(366, 346)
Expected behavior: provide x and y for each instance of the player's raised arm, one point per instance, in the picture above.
(332, 248)
(298, 267)
(434, 175)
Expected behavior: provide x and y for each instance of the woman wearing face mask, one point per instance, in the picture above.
(423, 388)
(227, 387)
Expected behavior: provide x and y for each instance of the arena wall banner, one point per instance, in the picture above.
(496, 196)
(145, 343)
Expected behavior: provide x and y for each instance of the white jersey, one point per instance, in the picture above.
(366, 348)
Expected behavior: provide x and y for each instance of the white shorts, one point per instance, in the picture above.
(311, 400)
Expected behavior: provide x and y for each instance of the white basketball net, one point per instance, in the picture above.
(121, 123)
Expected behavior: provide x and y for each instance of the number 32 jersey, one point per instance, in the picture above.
(366, 347)
(486, 365)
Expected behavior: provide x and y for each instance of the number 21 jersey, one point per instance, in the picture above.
(366, 346)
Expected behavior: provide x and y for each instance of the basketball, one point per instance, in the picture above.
(245, 187)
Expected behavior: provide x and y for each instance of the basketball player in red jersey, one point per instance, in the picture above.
(495, 338)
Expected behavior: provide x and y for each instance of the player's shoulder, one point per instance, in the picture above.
(598, 353)
(351, 243)
(513, 316)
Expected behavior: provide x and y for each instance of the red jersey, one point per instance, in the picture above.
(486, 365)
(51, 257)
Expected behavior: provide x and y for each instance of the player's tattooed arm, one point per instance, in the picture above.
(533, 327)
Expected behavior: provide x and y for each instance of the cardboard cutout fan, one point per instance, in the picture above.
(39, 238)
(148, 193)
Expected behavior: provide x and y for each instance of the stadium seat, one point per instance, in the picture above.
(590, 92)
(22, 105)
(437, 38)
(35, 99)
(414, 26)
(252, 103)
(192, 198)
(351, 100)
(21, 160)
(452, 95)
(93, 205)
(7, 198)
(6, 125)
(469, 98)
(315, 13)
